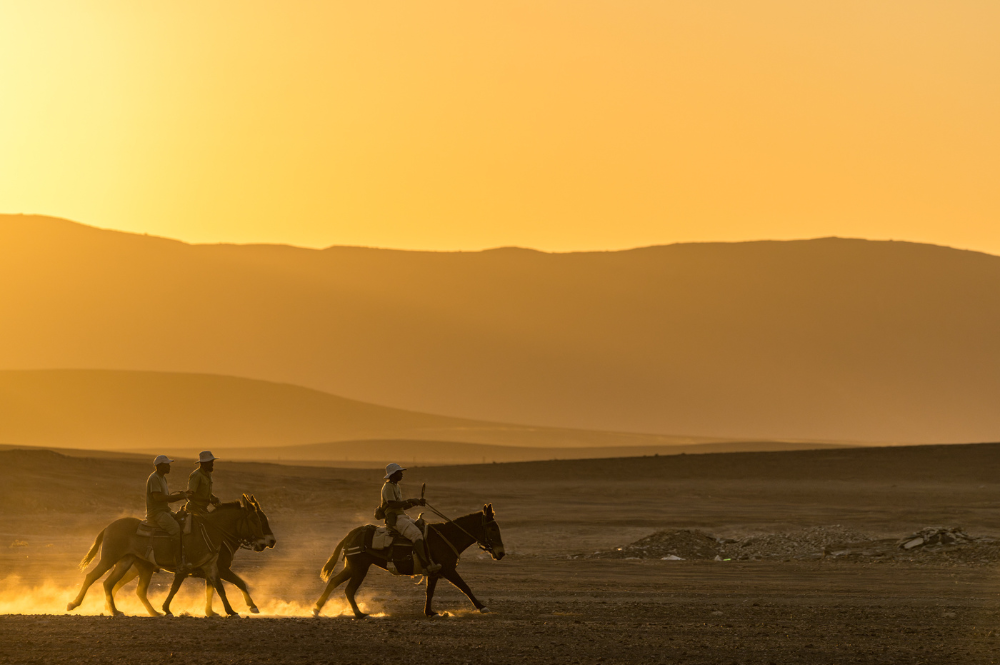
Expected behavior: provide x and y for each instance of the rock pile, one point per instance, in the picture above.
(935, 535)
(682, 544)
(811, 542)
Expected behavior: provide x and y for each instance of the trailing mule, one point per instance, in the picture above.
(224, 564)
(121, 547)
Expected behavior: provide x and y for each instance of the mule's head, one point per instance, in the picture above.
(255, 535)
(269, 539)
(491, 533)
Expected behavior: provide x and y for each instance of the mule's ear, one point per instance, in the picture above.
(253, 499)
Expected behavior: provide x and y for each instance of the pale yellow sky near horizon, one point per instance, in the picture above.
(553, 125)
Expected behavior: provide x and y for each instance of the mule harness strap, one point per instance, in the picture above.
(454, 549)
(448, 519)
(242, 542)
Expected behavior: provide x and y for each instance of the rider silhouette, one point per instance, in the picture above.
(158, 500)
(396, 517)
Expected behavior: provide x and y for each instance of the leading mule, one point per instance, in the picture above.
(446, 541)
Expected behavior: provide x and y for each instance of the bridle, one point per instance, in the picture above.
(485, 543)
(242, 525)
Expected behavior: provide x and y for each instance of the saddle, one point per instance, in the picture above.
(387, 544)
(384, 537)
(158, 547)
(147, 530)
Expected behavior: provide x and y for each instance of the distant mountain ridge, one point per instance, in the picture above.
(148, 411)
(826, 339)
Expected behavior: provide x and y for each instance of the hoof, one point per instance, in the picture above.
(117, 613)
(154, 613)
(316, 612)
(211, 613)
(360, 615)
(254, 610)
(484, 610)
(71, 606)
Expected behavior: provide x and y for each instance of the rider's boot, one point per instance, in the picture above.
(421, 552)
(179, 549)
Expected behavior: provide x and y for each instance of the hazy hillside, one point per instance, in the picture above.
(824, 339)
(185, 413)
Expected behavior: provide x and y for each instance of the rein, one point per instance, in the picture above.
(486, 546)
(243, 542)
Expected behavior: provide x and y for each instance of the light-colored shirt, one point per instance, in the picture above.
(200, 482)
(391, 492)
(156, 483)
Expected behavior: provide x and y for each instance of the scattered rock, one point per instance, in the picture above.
(937, 545)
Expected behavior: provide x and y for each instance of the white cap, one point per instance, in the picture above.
(391, 469)
(206, 456)
(161, 459)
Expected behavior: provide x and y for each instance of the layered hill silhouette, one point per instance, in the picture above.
(826, 339)
(184, 413)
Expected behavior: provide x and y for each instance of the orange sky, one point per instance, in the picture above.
(555, 125)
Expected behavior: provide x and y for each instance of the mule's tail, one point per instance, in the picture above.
(327, 571)
(94, 549)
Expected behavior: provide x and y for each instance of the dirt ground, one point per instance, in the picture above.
(548, 607)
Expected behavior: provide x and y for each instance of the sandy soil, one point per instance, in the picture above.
(581, 612)
(547, 606)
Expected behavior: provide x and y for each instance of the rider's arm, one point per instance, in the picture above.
(170, 498)
(405, 504)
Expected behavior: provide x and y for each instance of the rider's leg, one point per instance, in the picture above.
(167, 522)
(409, 530)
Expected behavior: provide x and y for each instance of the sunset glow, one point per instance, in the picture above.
(453, 125)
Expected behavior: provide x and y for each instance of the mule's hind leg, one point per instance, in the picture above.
(119, 571)
(145, 572)
(456, 579)
(103, 566)
(334, 582)
(237, 581)
(132, 573)
(431, 585)
(357, 577)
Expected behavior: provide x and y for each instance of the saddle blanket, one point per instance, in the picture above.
(382, 538)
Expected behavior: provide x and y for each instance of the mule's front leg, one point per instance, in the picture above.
(209, 595)
(456, 579)
(234, 579)
(174, 587)
(212, 576)
(431, 585)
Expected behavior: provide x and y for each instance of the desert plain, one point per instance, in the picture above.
(810, 568)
